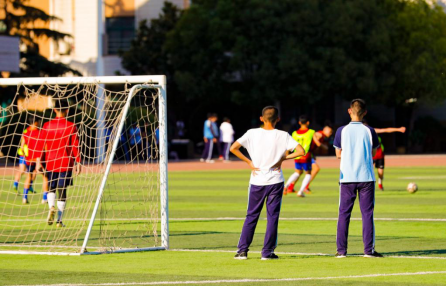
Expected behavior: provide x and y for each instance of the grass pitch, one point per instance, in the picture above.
(207, 210)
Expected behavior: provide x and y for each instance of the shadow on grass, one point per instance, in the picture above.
(417, 252)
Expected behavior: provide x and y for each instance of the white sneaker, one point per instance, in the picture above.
(210, 161)
(44, 201)
(25, 201)
(201, 159)
(300, 194)
(51, 214)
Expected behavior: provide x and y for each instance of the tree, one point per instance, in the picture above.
(147, 54)
(20, 20)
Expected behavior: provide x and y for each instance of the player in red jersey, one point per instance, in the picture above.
(378, 159)
(32, 146)
(61, 157)
(319, 140)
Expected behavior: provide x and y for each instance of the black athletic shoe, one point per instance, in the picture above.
(272, 256)
(374, 255)
(338, 255)
(241, 256)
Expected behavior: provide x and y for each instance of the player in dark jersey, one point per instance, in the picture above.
(320, 139)
(378, 159)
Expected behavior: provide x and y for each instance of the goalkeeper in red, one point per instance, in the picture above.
(61, 158)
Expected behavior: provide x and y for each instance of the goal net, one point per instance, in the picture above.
(118, 201)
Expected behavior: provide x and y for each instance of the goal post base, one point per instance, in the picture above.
(124, 251)
(10, 252)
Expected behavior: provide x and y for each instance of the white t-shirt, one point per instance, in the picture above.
(266, 147)
(226, 132)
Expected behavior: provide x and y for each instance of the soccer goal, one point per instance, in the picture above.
(119, 200)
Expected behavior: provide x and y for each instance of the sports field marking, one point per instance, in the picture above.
(254, 280)
(305, 254)
(424, 177)
(234, 219)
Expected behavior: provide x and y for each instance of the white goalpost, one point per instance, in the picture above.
(119, 201)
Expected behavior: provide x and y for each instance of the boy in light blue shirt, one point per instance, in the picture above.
(356, 145)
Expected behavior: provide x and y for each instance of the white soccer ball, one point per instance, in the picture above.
(412, 187)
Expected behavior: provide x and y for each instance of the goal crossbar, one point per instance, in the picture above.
(160, 80)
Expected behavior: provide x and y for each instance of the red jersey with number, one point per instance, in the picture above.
(34, 144)
(61, 145)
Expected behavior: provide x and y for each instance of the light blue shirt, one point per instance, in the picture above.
(356, 141)
(207, 130)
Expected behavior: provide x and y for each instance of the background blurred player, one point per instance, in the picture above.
(319, 140)
(61, 156)
(32, 146)
(226, 137)
(304, 136)
(210, 135)
(378, 159)
(22, 169)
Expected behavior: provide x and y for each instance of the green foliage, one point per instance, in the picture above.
(257, 50)
(19, 22)
(146, 54)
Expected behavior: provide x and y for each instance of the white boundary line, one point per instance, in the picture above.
(304, 254)
(255, 280)
(238, 218)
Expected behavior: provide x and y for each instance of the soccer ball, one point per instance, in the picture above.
(412, 187)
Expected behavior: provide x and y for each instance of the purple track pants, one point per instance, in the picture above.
(366, 194)
(272, 194)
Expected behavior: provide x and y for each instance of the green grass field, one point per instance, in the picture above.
(207, 210)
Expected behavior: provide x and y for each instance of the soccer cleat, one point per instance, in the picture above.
(60, 224)
(31, 189)
(374, 255)
(338, 255)
(307, 190)
(201, 159)
(210, 161)
(241, 255)
(44, 201)
(25, 201)
(380, 186)
(51, 214)
(300, 194)
(285, 191)
(272, 256)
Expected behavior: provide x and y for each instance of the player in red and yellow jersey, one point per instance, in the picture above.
(378, 159)
(32, 145)
(61, 158)
(304, 136)
(320, 140)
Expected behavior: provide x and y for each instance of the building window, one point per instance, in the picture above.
(120, 33)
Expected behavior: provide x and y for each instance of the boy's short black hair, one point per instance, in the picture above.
(32, 119)
(303, 119)
(270, 114)
(226, 119)
(61, 104)
(209, 115)
(214, 115)
(358, 107)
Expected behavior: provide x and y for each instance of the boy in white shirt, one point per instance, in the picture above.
(226, 137)
(267, 148)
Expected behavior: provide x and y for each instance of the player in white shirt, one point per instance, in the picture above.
(226, 137)
(267, 148)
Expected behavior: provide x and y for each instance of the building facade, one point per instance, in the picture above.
(100, 28)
